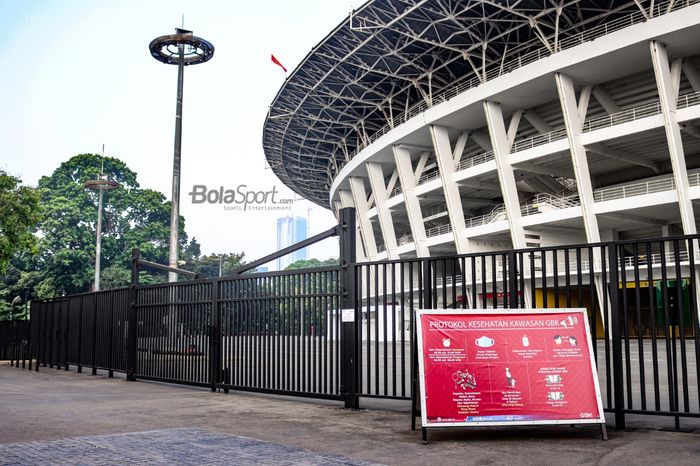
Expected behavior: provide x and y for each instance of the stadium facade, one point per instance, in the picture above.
(469, 126)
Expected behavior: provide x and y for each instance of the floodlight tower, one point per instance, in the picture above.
(181, 49)
(101, 184)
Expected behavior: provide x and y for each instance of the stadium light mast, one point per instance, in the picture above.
(181, 49)
(101, 184)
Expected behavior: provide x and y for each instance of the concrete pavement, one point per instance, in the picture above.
(51, 405)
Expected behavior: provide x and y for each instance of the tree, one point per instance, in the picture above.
(309, 263)
(19, 214)
(208, 266)
(133, 217)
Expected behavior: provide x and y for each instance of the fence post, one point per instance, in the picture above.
(131, 319)
(513, 300)
(348, 337)
(95, 307)
(427, 303)
(80, 335)
(618, 382)
(67, 333)
(214, 337)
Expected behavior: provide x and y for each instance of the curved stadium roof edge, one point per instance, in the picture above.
(396, 56)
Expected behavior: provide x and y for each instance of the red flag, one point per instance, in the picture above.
(277, 62)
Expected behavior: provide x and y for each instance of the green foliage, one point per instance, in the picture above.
(15, 285)
(19, 214)
(133, 217)
(309, 263)
(208, 266)
(62, 261)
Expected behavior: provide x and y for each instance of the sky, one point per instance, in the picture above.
(78, 74)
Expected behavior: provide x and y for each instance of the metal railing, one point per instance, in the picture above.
(475, 160)
(634, 189)
(624, 116)
(405, 239)
(497, 214)
(688, 100)
(694, 179)
(546, 202)
(538, 140)
(435, 213)
(604, 121)
(429, 176)
(439, 230)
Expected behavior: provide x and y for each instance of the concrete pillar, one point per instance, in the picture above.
(402, 158)
(359, 197)
(386, 222)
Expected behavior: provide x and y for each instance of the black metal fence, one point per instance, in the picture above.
(84, 330)
(347, 332)
(641, 297)
(13, 333)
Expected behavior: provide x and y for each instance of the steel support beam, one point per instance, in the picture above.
(402, 158)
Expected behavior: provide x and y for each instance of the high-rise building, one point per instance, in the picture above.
(291, 230)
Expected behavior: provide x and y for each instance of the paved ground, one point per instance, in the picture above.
(167, 447)
(68, 418)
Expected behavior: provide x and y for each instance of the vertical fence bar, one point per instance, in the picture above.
(618, 388)
(512, 281)
(131, 320)
(80, 335)
(95, 307)
(214, 337)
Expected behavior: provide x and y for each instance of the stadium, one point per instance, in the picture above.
(470, 126)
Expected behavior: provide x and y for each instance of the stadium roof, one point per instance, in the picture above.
(391, 59)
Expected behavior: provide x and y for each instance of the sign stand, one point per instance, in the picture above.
(415, 388)
(497, 367)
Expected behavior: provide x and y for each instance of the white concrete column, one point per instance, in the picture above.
(572, 112)
(404, 167)
(668, 95)
(668, 83)
(386, 222)
(345, 200)
(359, 197)
(572, 121)
(501, 152)
(445, 160)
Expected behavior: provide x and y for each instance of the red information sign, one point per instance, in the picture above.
(500, 367)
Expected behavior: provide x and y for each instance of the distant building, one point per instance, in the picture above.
(291, 230)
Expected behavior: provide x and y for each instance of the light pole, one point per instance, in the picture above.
(101, 184)
(181, 49)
